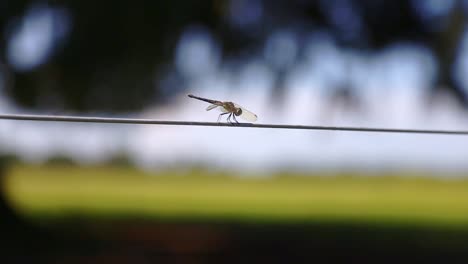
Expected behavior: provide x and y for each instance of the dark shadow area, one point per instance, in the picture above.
(82, 241)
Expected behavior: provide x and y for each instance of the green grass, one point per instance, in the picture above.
(54, 191)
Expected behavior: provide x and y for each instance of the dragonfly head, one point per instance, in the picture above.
(238, 112)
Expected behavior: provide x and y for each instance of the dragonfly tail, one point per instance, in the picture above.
(203, 99)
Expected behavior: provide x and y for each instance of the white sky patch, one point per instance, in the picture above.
(281, 49)
(197, 52)
(35, 36)
(433, 8)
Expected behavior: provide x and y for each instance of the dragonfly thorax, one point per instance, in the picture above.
(232, 108)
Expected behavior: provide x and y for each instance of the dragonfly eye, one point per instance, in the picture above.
(238, 112)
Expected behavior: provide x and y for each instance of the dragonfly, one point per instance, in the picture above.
(228, 108)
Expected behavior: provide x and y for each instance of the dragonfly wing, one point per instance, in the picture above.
(224, 110)
(213, 106)
(247, 115)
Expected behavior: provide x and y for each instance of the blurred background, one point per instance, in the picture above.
(77, 192)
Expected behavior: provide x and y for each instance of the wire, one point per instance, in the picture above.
(84, 119)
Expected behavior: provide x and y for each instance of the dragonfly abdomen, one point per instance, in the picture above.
(204, 99)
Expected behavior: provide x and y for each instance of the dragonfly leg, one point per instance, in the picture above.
(229, 118)
(234, 116)
(219, 117)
